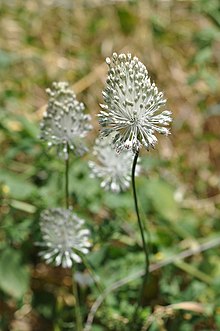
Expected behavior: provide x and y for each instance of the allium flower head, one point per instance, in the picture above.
(64, 123)
(63, 237)
(112, 168)
(132, 105)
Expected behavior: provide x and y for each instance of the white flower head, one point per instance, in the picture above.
(113, 168)
(132, 105)
(64, 236)
(65, 124)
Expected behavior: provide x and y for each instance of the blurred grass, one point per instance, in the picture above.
(52, 40)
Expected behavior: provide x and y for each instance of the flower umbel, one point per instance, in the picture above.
(64, 123)
(112, 168)
(132, 105)
(63, 237)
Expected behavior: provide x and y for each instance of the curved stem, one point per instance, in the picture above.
(141, 228)
(67, 181)
(79, 326)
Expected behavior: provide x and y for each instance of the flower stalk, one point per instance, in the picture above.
(65, 239)
(79, 325)
(141, 228)
(132, 115)
(67, 180)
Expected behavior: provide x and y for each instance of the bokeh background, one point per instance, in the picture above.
(179, 187)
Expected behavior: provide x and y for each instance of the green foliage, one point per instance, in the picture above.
(178, 188)
(14, 277)
(19, 187)
(161, 195)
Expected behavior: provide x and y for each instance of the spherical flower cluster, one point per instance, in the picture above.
(64, 123)
(63, 237)
(132, 105)
(113, 168)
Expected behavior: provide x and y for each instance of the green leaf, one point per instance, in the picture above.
(203, 56)
(162, 197)
(127, 20)
(115, 201)
(97, 328)
(19, 187)
(26, 207)
(7, 59)
(30, 128)
(97, 257)
(14, 277)
(17, 231)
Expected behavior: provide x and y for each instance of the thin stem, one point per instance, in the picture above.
(58, 312)
(141, 228)
(67, 180)
(79, 326)
(86, 263)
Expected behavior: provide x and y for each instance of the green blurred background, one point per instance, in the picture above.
(179, 187)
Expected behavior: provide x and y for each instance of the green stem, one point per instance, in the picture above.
(58, 313)
(99, 286)
(79, 326)
(67, 181)
(141, 228)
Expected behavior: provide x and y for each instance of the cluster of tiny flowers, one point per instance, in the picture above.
(64, 236)
(113, 168)
(132, 105)
(64, 123)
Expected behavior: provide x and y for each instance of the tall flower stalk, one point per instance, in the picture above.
(67, 181)
(65, 240)
(132, 115)
(141, 228)
(79, 325)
